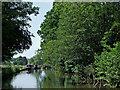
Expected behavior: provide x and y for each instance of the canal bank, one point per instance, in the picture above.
(7, 71)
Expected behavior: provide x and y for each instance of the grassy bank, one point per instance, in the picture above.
(7, 70)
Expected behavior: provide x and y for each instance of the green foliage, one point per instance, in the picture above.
(19, 61)
(15, 34)
(73, 33)
(108, 63)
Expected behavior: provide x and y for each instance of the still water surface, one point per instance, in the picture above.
(44, 79)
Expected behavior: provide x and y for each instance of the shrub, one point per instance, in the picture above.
(108, 63)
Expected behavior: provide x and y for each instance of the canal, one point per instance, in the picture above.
(44, 79)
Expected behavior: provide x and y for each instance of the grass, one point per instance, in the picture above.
(11, 69)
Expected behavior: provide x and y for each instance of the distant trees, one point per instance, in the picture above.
(19, 61)
(15, 34)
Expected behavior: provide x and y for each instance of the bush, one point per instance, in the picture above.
(108, 63)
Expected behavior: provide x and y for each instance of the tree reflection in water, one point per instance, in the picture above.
(45, 79)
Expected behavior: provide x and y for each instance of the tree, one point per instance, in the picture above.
(15, 34)
(19, 61)
(48, 33)
(72, 32)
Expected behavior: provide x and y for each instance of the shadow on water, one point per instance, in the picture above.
(44, 79)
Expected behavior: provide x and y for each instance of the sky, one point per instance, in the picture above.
(35, 26)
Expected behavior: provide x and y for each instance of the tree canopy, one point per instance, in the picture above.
(82, 34)
(72, 32)
(16, 36)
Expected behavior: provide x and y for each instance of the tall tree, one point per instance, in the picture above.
(48, 32)
(78, 32)
(15, 34)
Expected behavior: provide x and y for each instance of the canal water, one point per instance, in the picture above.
(44, 79)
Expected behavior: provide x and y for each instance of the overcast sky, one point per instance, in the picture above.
(35, 26)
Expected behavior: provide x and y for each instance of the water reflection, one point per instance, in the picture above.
(29, 79)
(46, 79)
(24, 80)
(42, 75)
